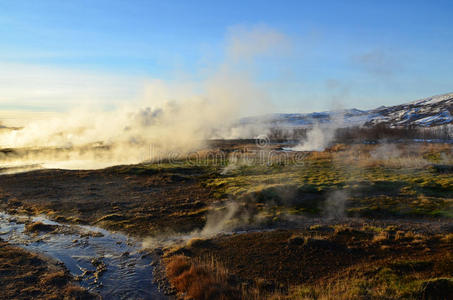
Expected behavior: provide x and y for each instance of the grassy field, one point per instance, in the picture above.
(321, 262)
(353, 221)
(384, 228)
(414, 182)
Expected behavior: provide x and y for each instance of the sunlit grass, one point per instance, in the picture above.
(407, 185)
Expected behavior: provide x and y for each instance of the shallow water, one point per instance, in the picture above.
(128, 273)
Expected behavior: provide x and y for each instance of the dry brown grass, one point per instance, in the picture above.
(381, 236)
(448, 238)
(200, 279)
(39, 227)
(337, 148)
(177, 265)
(76, 293)
(388, 261)
(59, 278)
(25, 275)
(197, 242)
(321, 155)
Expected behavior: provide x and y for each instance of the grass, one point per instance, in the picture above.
(370, 260)
(29, 276)
(178, 195)
(385, 283)
(59, 278)
(385, 262)
(408, 185)
(39, 227)
(201, 279)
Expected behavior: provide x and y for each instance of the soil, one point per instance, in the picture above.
(121, 198)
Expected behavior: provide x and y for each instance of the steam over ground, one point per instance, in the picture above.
(170, 116)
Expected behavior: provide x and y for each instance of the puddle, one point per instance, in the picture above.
(106, 263)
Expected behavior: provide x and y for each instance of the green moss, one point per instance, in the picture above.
(376, 190)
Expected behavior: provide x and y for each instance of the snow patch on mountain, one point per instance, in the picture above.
(431, 111)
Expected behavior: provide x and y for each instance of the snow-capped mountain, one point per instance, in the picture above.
(432, 111)
(350, 117)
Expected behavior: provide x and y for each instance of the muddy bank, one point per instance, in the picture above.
(26, 275)
(132, 199)
(111, 265)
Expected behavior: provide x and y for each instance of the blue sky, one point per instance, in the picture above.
(361, 54)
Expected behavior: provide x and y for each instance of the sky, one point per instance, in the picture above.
(57, 55)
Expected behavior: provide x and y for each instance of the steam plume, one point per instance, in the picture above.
(169, 116)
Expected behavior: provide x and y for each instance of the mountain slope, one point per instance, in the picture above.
(432, 111)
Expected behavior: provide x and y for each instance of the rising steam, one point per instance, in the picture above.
(169, 116)
(320, 136)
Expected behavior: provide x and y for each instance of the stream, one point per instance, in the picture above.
(109, 264)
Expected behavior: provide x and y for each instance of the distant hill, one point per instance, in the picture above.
(432, 111)
(427, 112)
(2, 127)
